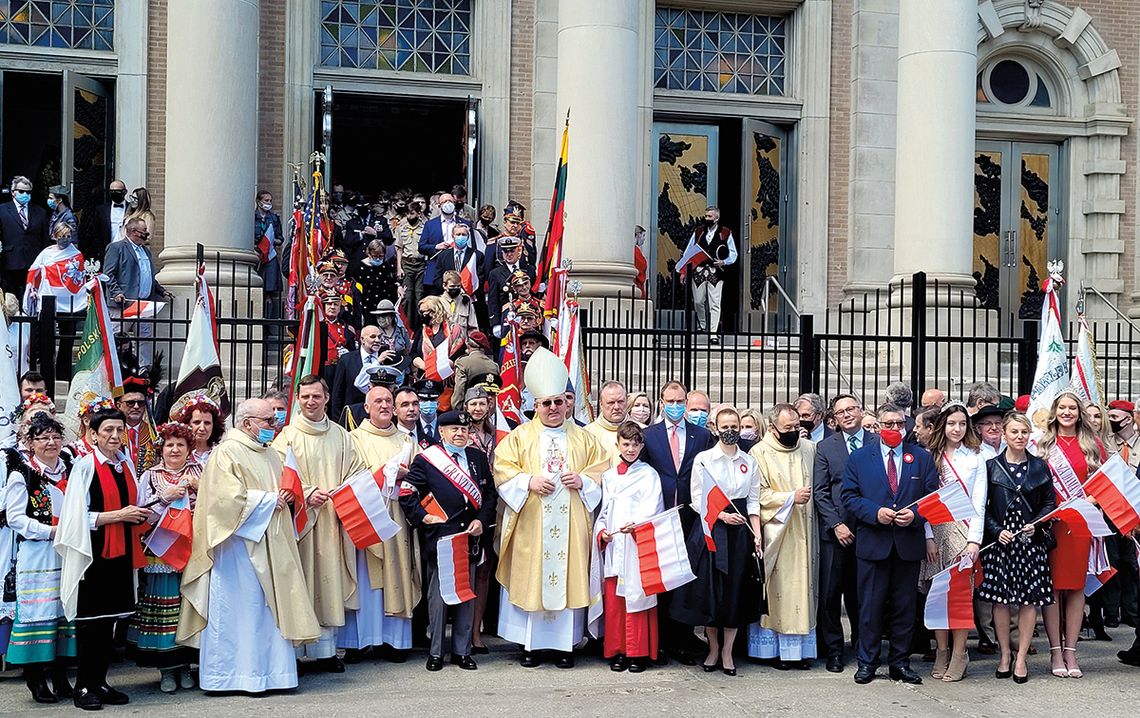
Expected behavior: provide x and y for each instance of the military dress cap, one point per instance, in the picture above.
(490, 381)
(385, 307)
(480, 339)
(508, 241)
(537, 336)
(427, 389)
(520, 275)
(475, 392)
(1122, 405)
(454, 418)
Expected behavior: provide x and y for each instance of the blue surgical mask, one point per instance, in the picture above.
(674, 412)
(428, 408)
(65, 240)
(279, 417)
(700, 417)
(265, 436)
(22, 197)
(453, 449)
(51, 202)
(461, 241)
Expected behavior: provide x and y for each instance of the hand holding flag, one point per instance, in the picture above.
(946, 505)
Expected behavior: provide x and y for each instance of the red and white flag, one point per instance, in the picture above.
(437, 360)
(57, 272)
(469, 275)
(950, 603)
(693, 257)
(947, 504)
(1095, 581)
(454, 569)
(714, 500)
(1082, 518)
(170, 539)
(662, 560)
(142, 309)
(291, 483)
(1117, 489)
(363, 510)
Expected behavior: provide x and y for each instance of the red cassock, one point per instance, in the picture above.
(633, 635)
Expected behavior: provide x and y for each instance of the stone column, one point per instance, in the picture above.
(934, 186)
(211, 137)
(130, 92)
(598, 75)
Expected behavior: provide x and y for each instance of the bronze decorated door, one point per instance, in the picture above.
(764, 251)
(1016, 210)
(88, 139)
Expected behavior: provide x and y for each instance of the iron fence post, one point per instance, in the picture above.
(918, 334)
(687, 340)
(47, 341)
(809, 369)
(1027, 356)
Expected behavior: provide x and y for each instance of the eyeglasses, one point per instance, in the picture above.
(547, 403)
(134, 402)
(141, 233)
(266, 419)
(845, 412)
(892, 424)
(50, 438)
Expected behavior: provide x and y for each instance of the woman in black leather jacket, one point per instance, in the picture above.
(1017, 565)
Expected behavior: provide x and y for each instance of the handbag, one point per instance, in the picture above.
(9, 595)
(1048, 538)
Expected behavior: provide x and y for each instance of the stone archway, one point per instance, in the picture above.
(1091, 120)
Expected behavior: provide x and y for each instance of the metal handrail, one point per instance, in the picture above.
(771, 280)
(1085, 288)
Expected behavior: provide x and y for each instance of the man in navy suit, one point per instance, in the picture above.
(23, 233)
(836, 538)
(455, 258)
(670, 447)
(881, 483)
(437, 238)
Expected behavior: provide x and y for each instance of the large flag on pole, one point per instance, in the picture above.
(9, 394)
(1052, 376)
(201, 369)
(97, 370)
(551, 257)
(1086, 378)
(303, 359)
(568, 342)
(508, 403)
(1117, 490)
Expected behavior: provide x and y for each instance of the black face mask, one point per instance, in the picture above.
(425, 318)
(454, 292)
(807, 425)
(413, 221)
(117, 195)
(338, 197)
(710, 222)
(458, 205)
(788, 438)
(1117, 425)
(362, 211)
(730, 437)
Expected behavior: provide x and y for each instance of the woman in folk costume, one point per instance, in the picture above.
(1074, 453)
(152, 629)
(954, 446)
(436, 337)
(1019, 492)
(631, 493)
(89, 407)
(548, 473)
(42, 639)
(784, 461)
(204, 417)
(727, 593)
(98, 539)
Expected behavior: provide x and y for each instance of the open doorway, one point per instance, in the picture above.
(387, 143)
(32, 125)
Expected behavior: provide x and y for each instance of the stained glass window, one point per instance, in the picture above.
(719, 52)
(68, 24)
(410, 35)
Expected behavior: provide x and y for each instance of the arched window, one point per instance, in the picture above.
(1014, 83)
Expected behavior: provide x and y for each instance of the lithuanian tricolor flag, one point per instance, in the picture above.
(552, 245)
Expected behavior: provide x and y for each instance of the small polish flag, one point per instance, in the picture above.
(950, 602)
(694, 257)
(171, 536)
(363, 511)
(714, 501)
(1117, 490)
(947, 504)
(661, 554)
(1095, 581)
(454, 569)
(291, 482)
(1082, 518)
(438, 364)
(469, 275)
(141, 309)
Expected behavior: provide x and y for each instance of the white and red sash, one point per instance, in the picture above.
(437, 457)
(1065, 480)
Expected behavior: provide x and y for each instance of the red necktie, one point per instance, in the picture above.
(892, 472)
(675, 448)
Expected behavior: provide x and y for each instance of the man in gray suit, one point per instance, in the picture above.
(837, 540)
(130, 277)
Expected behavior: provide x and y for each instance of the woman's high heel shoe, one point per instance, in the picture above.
(1073, 672)
(1061, 672)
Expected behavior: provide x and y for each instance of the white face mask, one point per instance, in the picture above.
(447, 207)
(266, 206)
(639, 413)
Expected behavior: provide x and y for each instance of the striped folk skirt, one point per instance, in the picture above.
(41, 642)
(152, 628)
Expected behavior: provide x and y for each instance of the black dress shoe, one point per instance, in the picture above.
(661, 659)
(835, 663)
(638, 665)
(619, 663)
(865, 674)
(434, 663)
(60, 684)
(87, 699)
(905, 674)
(529, 660)
(332, 665)
(780, 665)
(1111, 622)
(111, 697)
(353, 655)
(467, 663)
(987, 648)
(1131, 657)
(40, 691)
(395, 655)
(480, 650)
(565, 660)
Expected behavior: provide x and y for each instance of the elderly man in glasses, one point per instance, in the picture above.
(131, 283)
(548, 473)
